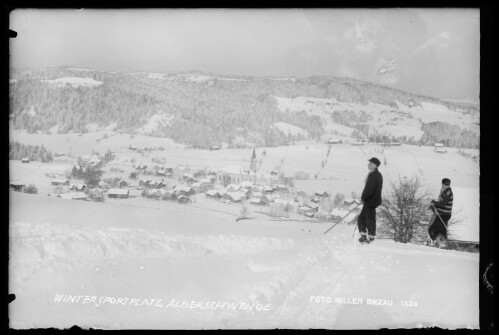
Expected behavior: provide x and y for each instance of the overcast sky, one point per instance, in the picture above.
(424, 51)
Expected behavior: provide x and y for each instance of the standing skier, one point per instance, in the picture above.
(442, 212)
(371, 198)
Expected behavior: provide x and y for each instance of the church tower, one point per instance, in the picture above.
(253, 161)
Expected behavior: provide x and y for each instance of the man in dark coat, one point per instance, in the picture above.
(442, 212)
(371, 198)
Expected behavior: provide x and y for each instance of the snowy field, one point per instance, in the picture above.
(139, 263)
(116, 266)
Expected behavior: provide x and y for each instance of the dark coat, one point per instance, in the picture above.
(371, 196)
(444, 203)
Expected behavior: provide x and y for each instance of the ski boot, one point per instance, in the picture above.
(363, 239)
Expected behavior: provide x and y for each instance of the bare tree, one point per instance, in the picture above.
(405, 212)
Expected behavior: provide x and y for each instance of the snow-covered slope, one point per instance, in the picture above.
(159, 119)
(113, 266)
(400, 121)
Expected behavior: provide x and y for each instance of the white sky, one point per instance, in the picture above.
(424, 51)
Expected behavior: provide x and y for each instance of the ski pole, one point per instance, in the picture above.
(436, 212)
(341, 219)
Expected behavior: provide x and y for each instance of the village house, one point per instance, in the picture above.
(183, 199)
(284, 201)
(338, 213)
(257, 194)
(199, 174)
(73, 196)
(247, 192)
(78, 187)
(145, 182)
(25, 160)
(104, 185)
(212, 176)
(118, 193)
(257, 201)
(94, 160)
(257, 188)
(313, 207)
(181, 170)
(196, 186)
(333, 141)
(322, 193)
(357, 143)
(205, 184)
(301, 193)
(234, 196)
(268, 189)
(233, 174)
(17, 186)
(214, 194)
(157, 184)
(315, 199)
(189, 178)
(247, 184)
(162, 173)
(233, 187)
(59, 182)
(169, 195)
(349, 201)
(272, 197)
(96, 195)
(281, 188)
(310, 214)
(185, 190)
(304, 209)
(158, 193)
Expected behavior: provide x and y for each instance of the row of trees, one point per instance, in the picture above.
(19, 151)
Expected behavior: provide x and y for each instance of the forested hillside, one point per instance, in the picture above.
(207, 111)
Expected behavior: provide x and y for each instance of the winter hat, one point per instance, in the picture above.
(375, 161)
(446, 181)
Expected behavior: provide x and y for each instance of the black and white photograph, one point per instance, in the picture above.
(222, 168)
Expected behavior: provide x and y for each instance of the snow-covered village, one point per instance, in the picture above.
(194, 200)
